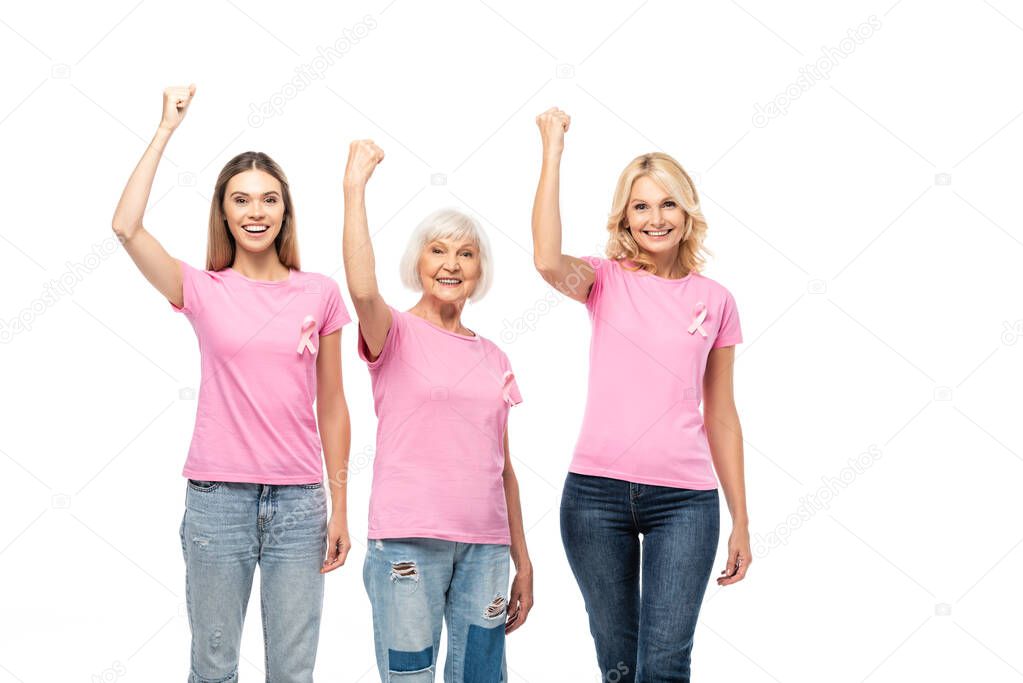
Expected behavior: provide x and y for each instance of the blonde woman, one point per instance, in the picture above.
(444, 514)
(269, 336)
(663, 337)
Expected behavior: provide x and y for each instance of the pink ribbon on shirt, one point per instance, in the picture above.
(510, 390)
(306, 342)
(700, 314)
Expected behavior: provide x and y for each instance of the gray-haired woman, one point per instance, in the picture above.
(444, 508)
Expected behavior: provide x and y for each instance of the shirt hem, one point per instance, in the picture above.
(727, 341)
(362, 347)
(236, 478)
(330, 330)
(384, 534)
(641, 479)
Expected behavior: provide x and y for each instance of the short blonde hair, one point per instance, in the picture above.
(670, 175)
(453, 225)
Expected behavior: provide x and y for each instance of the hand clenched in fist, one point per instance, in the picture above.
(553, 125)
(175, 103)
(363, 157)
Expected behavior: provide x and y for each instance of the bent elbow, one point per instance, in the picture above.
(364, 296)
(124, 230)
(544, 266)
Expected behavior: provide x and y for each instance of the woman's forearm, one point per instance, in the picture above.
(547, 214)
(336, 435)
(519, 552)
(130, 209)
(357, 247)
(724, 434)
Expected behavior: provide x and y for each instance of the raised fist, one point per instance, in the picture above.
(553, 125)
(363, 157)
(175, 103)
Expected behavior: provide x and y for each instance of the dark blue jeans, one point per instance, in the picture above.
(648, 637)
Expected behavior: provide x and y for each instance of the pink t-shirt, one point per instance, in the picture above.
(648, 352)
(442, 402)
(258, 342)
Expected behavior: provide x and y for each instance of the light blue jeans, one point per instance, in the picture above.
(226, 531)
(414, 584)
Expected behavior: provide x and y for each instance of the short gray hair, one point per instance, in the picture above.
(447, 224)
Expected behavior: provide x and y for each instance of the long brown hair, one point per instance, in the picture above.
(220, 243)
(670, 175)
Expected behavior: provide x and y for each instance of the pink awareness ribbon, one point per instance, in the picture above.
(510, 390)
(306, 342)
(700, 313)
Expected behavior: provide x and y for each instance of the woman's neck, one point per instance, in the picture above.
(668, 266)
(446, 315)
(265, 265)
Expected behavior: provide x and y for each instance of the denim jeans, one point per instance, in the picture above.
(228, 529)
(414, 584)
(640, 637)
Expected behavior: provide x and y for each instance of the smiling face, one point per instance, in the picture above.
(449, 269)
(254, 209)
(654, 218)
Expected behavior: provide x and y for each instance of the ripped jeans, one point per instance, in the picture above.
(414, 585)
(229, 528)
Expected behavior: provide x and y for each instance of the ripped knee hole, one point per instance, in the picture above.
(496, 608)
(404, 570)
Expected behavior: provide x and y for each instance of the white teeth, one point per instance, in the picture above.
(255, 228)
(447, 281)
(660, 233)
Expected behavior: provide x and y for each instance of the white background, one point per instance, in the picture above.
(870, 236)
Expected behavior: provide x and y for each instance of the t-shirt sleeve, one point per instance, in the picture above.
(510, 387)
(335, 313)
(599, 270)
(191, 283)
(729, 332)
(394, 335)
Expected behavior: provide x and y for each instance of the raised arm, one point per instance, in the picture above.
(360, 265)
(571, 276)
(160, 268)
